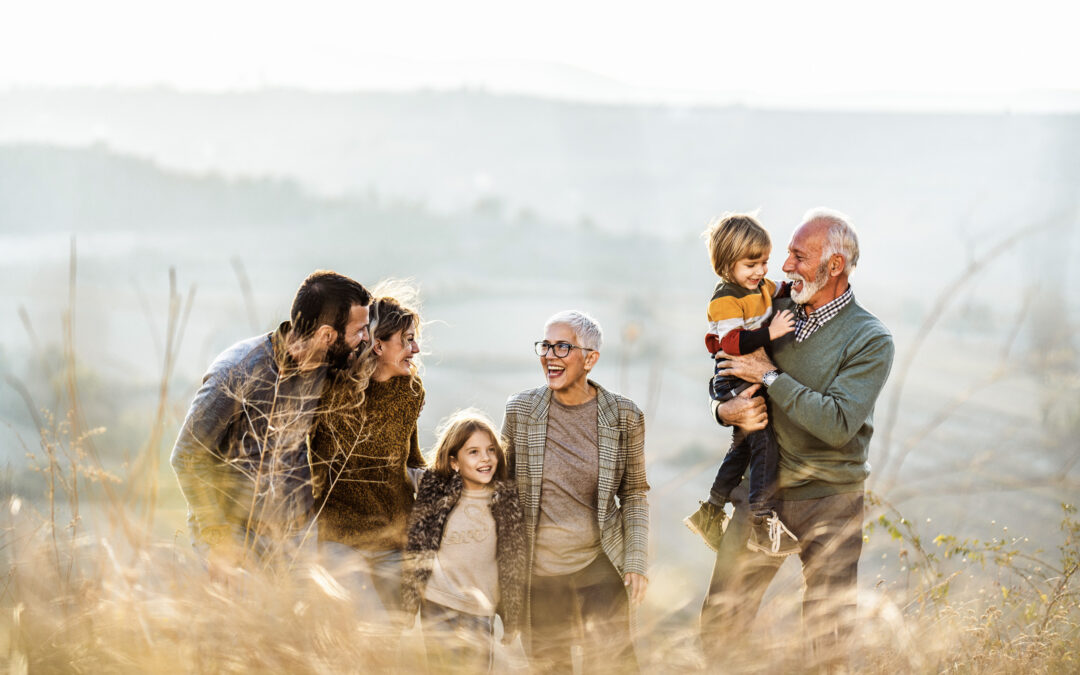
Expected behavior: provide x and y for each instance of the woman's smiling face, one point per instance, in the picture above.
(565, 374)
(395, 354)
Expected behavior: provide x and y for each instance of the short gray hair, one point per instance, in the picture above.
(586, 329)
(841, 237)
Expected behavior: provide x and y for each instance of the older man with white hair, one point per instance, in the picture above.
(823, 380)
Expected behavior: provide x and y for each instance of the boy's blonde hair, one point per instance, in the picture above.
(455, 430)
(733, 237)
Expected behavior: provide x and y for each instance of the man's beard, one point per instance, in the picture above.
(809, 288)
(339, 353)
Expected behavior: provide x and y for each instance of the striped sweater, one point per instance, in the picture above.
(739, 318)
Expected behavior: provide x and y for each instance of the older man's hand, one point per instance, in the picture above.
(746, 411)
(749, 367)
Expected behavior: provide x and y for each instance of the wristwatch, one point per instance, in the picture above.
(770, 377)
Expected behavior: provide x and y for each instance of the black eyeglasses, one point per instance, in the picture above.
(561, 349)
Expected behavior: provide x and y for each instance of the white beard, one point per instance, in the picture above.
(809, 288)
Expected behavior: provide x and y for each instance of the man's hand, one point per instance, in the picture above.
(637, 584)
(749, 367)
(782, 324)
(746, 411)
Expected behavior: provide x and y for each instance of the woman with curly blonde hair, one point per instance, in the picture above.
(363, 454)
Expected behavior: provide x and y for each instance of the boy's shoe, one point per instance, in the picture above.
(709, 522)
(770, 536)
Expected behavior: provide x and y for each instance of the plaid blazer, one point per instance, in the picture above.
(624, 526)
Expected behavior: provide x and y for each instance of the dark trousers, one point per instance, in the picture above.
(724, 388)
(830, 533)
(589, 607)
(759, 451)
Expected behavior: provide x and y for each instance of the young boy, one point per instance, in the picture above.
(740, 321)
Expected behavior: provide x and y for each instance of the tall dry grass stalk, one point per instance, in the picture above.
(153, 609)
(142, 487)
(247, 293)
(996, 605)
(888, 465)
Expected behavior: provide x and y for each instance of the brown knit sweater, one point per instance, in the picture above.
(363, 494)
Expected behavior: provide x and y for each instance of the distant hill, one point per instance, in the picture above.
(650, 168)
(49, 189)
(520, 188)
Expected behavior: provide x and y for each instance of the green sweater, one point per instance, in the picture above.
(822, 405)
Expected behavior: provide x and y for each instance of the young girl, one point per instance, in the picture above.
(466, 547)
(741, 320)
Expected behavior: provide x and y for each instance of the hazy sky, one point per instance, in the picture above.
(941, 50)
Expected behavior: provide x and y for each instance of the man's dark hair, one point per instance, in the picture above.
(326, 297)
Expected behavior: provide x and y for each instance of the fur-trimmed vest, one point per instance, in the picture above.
(436, 499)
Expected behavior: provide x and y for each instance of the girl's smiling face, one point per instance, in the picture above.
(476, 461)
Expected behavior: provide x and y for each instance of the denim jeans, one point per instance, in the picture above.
(758, 451)
(456, 641)
(372, 579)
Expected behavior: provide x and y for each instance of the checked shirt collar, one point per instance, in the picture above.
(807, 324)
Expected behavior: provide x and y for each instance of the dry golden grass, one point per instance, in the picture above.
(83, 596)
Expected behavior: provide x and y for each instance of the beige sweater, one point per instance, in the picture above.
(466, 576)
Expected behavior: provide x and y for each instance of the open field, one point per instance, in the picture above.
(970, 560)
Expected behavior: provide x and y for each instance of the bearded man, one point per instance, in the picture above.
(823, 380)
(242, 453)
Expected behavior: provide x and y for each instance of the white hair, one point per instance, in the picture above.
(586, 329)
(841, 237)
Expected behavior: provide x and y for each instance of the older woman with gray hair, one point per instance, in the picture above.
(577, 452)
